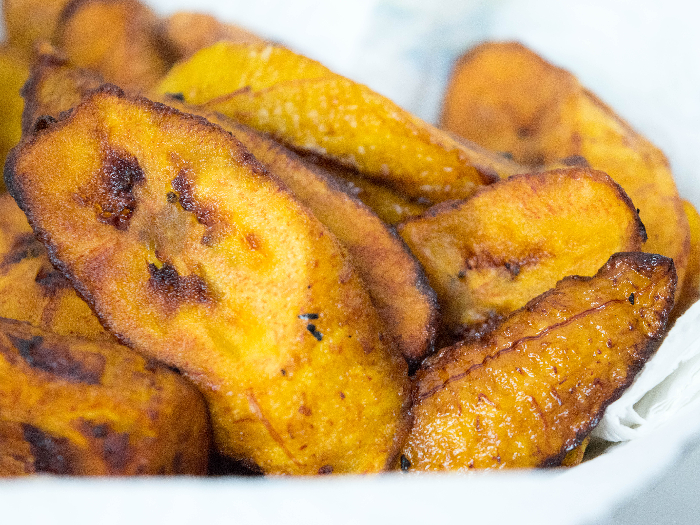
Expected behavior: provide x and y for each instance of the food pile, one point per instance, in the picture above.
(219, 256)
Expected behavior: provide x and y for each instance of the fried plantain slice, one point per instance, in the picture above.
(74, 406)
(120, 39)
(489, 255)
(31, 289)
(533, 389)
(187, 32)
(690, 292)
(507, 98)
(310, 108)
(13, 73)
(395, 281)
(192, 253)
(54, 86)
(30, 21)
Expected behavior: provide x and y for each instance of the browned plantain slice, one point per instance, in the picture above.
(396, 283)
(54, 86)
(506, 98)
(190, 252)
(118, 38)
(188, 32)
(487, 256)
(310, 108)
(532, 390)
(75, 406)
(13, 73)
(31, 289)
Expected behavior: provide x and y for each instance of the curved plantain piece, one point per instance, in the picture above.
(490, 254)
(506, 98)
(531, 391)
(190, 252)
(31, 289)
(395, 281)
(74, 406)
(308, 107)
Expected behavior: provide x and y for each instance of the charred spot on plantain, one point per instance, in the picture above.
(25, 246)
(308, 317)
(59, 361)
(43, 122)
(176, 96)
(119, 174)
(171, 197)
(631, 299)
(114, 445)
(184, 193)
(405, 463)
(575, 160)
(51, 281)
(513, 269)
(325, 470)
(176, 289)
(312, 329)
(52, 454)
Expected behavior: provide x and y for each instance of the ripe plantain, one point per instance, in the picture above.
(530, 391)
(190, 252)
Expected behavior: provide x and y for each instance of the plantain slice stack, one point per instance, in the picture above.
(190, 252)
(308, 107)
(490, 254)
(531, 390)
(507, 98)
(70, 405)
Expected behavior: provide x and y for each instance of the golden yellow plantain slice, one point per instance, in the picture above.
(31, 289)
(531, 391)
(190, 252)
(13, 73)
(506, 98)
(310, 108)
(74, 406)
(489, 255)
(691, 285)
(118, 38)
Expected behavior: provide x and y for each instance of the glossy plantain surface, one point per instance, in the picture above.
(513, 240)
(532, 389)
(190, 252)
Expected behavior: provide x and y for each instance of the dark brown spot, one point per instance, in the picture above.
(115, 449)
(575, 160)
(43, 122)
(171, 197)
(51, 281)
(252, 241)
(513, 268)
(342, 395)
(525, 132)
(52, 454)
(59, 361)
(312, 329)
(461, 274)
(405, 463)
(176, 96)
(308, 317)
(183, 184)
(175, 289)
(283, 372)
(25, 246)
(119, 175)
(304, 410)
(631, 299)
(325, 469)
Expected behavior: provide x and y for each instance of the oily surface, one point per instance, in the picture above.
(13, 73)
(489, 255)
(75, 406)
(307, 106)
(506, 98)
(191, 253)
(531, 390)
